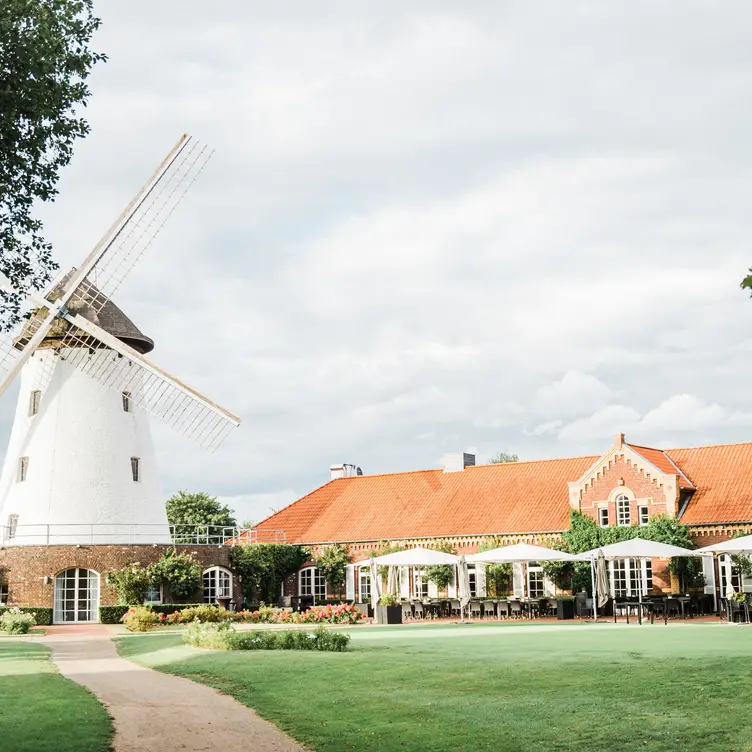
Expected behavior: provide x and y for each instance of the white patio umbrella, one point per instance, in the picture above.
(463, 578)
(392, 581)
(741, 545)
(375, 585)
(636, 548)
(520, 552)
(416, 557)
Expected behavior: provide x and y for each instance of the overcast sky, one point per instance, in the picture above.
(431, 227)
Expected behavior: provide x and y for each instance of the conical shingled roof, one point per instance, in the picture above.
(111, 318)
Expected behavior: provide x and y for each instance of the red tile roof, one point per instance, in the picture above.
(658, 458)
(515, 497)
(723, 477)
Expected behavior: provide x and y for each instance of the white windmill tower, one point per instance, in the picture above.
(80, 465)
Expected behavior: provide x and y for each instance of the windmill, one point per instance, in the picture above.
(80, 465)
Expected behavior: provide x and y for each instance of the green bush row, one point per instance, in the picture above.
(113, 614)
(42, 614)
(224, 637)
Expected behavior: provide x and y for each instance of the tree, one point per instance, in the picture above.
(502, 457)
(179, 571)
(186, 510)
(498, 576)
(747, 282)
(264, 566)
(45, 60)
(441, 574)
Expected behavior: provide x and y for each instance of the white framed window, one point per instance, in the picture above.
(126, 402)
(12, 526)
(420, 585)
(312, 582)
(217, 584)
(23, 469)
(629, 575)
(153, 594)
(364, 584)
(535, 585)
(34, 399)
(730, 573)
(472, 576)
(603, 516)
(136, 469)
(623, 514)
(644, 515)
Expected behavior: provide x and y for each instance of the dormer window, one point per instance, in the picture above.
(23, 469)
(127, 402)
(34, 400)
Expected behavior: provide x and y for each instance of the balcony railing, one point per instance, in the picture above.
(104, 534)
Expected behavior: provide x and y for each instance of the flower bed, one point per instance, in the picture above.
(15, 621)
(223, 637)
(143, 618)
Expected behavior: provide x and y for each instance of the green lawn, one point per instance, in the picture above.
(483, 687)
(41, 710)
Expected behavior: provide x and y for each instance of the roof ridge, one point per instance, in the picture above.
(707, 446)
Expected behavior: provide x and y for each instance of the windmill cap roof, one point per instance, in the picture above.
(111, 318)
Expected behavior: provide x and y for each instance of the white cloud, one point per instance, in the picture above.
(574, 394)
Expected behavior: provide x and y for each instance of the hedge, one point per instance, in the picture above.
(113, 614)
(43, 614)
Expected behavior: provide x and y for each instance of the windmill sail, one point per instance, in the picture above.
(125, 242)
(121, 368)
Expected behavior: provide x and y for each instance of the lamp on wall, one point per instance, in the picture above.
(47, 579)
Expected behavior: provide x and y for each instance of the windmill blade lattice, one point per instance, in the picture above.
(127, 372)
(151, 211)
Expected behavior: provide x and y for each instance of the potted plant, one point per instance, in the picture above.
(388, 610)
(564, 607)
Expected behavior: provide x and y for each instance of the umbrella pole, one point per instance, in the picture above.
(639, 593)
(595, 592)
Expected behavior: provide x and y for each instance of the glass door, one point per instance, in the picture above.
(76, 596)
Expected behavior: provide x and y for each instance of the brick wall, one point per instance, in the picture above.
(25, 567)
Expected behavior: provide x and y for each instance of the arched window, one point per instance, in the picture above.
(76, 596)
(312, 582)
(623, 515)
(217, 585)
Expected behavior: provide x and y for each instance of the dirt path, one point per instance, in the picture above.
(157, 711)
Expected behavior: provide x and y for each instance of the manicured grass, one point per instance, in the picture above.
(484, 687)
(41, 710)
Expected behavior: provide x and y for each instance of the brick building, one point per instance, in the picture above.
(708, 489)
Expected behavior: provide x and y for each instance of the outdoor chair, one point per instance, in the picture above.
(533, 608)
(418, 610)
(489, 609)
(503, 607)
(515, 608)
(407, 611)
(552, 606)
(475, 609)
(673, 606)
(454, 607)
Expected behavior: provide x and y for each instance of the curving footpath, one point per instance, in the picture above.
(152, 710)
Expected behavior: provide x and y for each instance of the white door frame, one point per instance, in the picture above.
(92, 597)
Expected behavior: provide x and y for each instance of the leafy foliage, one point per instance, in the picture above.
(131, 582)
(502, 457)
(179, 571)
(15, 621)
(332, 562)
(42, 614)
(498, 576)
(45, 60)
(743, 561)
(186, 510)
(747, 282)
(263, 567)
(224, 637)
(441, 574)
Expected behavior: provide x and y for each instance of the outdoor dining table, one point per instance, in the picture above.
(629, 605)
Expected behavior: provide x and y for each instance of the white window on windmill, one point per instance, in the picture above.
(127, 402)
(23, 469)
(34, 399)
(136, 469)
(12, 526)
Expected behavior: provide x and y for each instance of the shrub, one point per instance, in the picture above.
(264, 567)
(42, 614)
(179, 572)
(131, 582)
(140, 619)
(15, 621)
(388, 600)
(112, 614)
(224, 637)
(332, 563)
(205, 613)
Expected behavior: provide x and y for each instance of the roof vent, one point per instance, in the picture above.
(345, 471)
(457, 461)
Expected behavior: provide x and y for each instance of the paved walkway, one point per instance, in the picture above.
(152, 710)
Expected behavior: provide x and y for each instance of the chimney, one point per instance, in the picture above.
(457, 461)
(344, 471)
(619, 440)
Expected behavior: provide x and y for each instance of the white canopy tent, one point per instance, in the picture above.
(636, 548)
(417, 557)
(741, 545)
(519, 553)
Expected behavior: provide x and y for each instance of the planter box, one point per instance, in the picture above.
(565, 608)
(389, 614)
